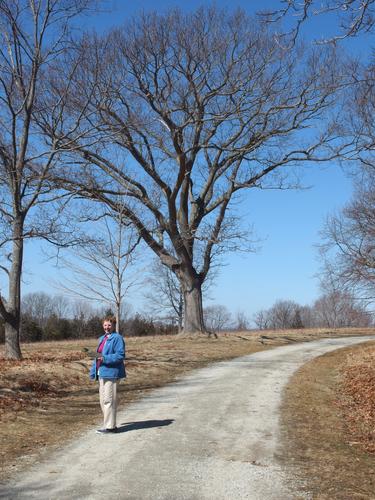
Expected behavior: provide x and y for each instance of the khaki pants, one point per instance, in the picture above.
(108, 401)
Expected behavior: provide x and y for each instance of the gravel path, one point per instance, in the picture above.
(210, 436)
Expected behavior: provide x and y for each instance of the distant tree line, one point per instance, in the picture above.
(335, 309)
(55, 317)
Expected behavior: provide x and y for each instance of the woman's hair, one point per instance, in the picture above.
(111, 319)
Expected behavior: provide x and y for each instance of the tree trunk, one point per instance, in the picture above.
(180, 311)
(13, 306)
(12, 344)
(193, 308)
(117, 315)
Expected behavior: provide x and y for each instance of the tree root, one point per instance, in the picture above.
(194, 335)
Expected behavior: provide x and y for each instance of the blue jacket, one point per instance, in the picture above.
(113, 354)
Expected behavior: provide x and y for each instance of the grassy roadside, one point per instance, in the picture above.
(46, 399)
(328, 424)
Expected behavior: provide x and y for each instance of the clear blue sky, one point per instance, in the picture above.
(287, 222)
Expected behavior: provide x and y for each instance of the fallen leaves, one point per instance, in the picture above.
(15, 401)
(327, 460)
(38, 377)
(356, 397)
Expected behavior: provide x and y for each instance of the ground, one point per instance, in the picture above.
(49, 388)
(328, 422)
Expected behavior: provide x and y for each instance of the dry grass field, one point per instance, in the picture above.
(46, 399)
(328, 422)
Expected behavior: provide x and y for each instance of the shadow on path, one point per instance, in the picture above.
(146, 424)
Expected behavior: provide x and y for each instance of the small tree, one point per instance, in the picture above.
(38, 306)
(262, 319)
(83, 315)
(285, 314)
(241, 321)
(307, 317)
(217, 317)
(109, 258)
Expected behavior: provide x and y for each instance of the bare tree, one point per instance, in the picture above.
(39, 306)
(81, 311)
(349, 243)
(262, 319)
(308, 318)
(348, 248)
(192, 110)
(360, 118)
(217, 317)
(241, 321)
(105, 270)
(284, 314)
(353, 16)
(164, 294)
(32, 35)
(333, 309)
(337, 309)
(61, 306)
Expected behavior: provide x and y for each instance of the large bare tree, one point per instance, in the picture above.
(33, 33)
(352, 17)
(164, 293)
(192, 110)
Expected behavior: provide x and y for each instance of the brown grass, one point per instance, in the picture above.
(327, 424)
(47, 399)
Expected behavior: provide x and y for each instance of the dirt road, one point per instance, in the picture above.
(212, 435)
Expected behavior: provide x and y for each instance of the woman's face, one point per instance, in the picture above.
(107, 327)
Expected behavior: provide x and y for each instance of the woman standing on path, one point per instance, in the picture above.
(108, 367)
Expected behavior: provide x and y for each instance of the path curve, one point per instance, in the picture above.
(210, 436)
